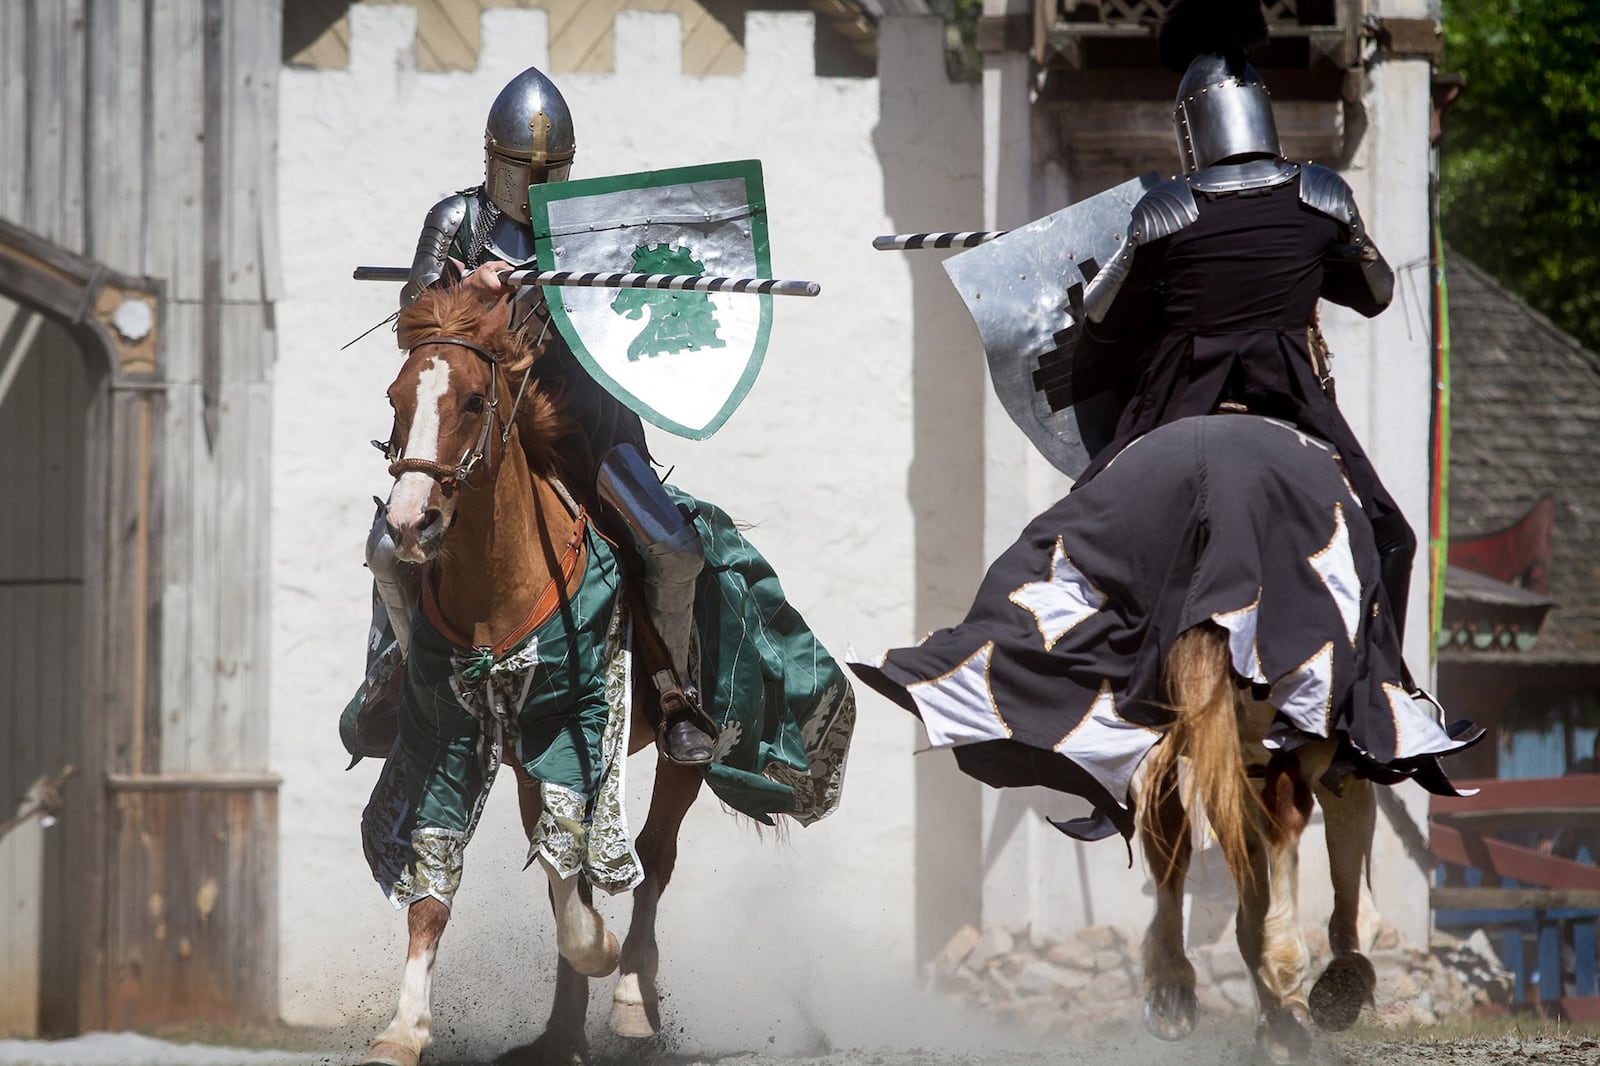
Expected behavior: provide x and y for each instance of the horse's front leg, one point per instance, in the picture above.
(1270, 938)
(1349, 981)
(635, 1003)
(580, 932)
(1169, 1001)
(564, 1041)
(402, 1043)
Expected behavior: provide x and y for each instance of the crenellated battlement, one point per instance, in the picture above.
(384, 132)
(575, 37)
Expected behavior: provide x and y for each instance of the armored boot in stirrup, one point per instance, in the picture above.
(669, 545)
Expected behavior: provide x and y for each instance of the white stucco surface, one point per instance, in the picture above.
(817, 923)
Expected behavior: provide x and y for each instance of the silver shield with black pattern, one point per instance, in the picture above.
(1020, 290)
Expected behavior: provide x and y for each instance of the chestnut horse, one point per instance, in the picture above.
(1258, 827)
(477, 502)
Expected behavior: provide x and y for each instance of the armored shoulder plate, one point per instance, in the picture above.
(448, 213)
(1326, 193)
(433, 245)
(1163, 211)
(1222, 179)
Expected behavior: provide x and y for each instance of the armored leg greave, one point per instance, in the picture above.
(667, 541)
(399, 584)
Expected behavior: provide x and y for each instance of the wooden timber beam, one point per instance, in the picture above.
(1411, 38)
(1457, 898)
(1495, 796)
(1498, 857)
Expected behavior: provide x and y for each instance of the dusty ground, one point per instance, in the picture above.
(1506, 1043)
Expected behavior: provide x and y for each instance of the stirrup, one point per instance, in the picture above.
(683, 737)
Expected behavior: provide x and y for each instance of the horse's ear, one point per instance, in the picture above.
(451, 275)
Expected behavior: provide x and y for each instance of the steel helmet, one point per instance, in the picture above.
(527, 140)
(1223, 111)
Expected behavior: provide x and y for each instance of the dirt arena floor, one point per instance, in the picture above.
(1497, 1043)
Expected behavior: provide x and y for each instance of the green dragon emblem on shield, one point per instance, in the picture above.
(679, 321)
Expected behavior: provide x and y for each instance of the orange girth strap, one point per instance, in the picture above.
(544, 605)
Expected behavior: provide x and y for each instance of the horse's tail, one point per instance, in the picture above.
(1206, 729)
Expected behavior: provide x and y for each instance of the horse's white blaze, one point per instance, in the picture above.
(408, 500)
(413, 1019)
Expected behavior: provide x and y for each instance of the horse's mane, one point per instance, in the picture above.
(550, 438)
(458, 312)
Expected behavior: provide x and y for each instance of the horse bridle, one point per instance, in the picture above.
(447, 476)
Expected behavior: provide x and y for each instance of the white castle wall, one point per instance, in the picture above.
(761, 937)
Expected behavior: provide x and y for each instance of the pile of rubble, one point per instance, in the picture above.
(1090, 980)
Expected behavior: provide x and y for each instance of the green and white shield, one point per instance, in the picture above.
(682, 360)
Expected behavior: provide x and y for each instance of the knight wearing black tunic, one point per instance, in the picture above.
(1209, 305)
(1269, 523)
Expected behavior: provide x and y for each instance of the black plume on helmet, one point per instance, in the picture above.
(1198, 27)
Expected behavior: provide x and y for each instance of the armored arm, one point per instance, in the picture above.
(1355, 272)
(433, 246)
(1110, 303)
(1120, 312)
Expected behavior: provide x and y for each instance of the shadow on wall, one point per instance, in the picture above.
(930, 141)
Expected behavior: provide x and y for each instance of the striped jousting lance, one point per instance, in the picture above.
(949, 239)
(618, 279)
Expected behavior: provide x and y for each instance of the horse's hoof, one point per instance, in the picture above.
(388, 1053)
(604, 963)
(1343, 989)
(630, 1020)
(1282, 1036)
(633, 1013)
(1170, 1011)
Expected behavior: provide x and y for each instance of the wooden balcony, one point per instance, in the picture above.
(1316, 36)
(1101, 76)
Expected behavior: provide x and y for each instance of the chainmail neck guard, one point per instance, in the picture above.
(486, 216)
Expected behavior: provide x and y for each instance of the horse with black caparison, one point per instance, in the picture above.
(1264, 732)
(1212, 600)
(478, 502)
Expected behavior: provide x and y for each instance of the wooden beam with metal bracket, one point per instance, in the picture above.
(1410, 38)
(1004, 33)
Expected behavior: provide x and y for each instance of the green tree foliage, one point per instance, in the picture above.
(1520, 189)
(962, 61)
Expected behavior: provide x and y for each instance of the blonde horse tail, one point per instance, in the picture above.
(1206, 729)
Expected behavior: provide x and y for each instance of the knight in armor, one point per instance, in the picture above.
(1189, 516)
(472, 235)
(1219, 273)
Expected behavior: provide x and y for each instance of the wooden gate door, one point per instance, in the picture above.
(44, 394)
